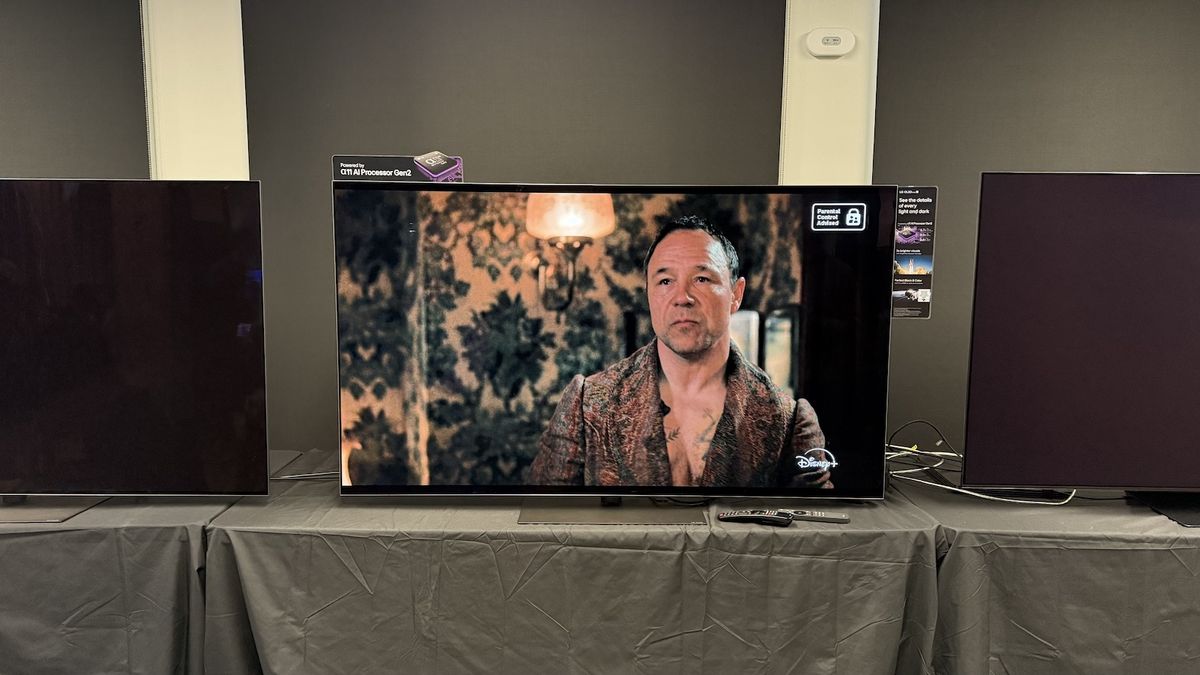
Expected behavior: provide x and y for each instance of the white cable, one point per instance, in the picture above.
(988, 497)
(306, 476)
(917, 469)
(912, 450)
(921, 453)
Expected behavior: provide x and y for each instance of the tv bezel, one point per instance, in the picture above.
(668, 492)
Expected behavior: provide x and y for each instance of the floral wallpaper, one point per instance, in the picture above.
(449, 365)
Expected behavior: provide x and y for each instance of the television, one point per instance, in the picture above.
(1084, 359)
(510, 339)
(131, 344)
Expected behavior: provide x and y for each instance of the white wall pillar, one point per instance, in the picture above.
(195, 89)
(827, 133)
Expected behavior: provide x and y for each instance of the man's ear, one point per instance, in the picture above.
(739, 288)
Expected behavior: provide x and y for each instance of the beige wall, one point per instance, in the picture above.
(828, 119)
(195, 89)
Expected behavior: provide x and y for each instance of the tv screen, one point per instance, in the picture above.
(507, 339)
(131, 344)
(1084, 354)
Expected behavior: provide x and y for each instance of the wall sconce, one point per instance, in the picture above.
(567, 222)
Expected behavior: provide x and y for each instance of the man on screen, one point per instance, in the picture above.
(687, 410)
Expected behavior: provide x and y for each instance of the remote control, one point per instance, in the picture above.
(765, 516)
(818, 516)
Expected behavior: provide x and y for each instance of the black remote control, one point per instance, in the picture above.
(764, 516)
(818, 516)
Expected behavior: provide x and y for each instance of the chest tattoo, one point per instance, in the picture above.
(689, 440)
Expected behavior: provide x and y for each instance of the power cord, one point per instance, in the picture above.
(899, 451)
(316, 475)
(980, 495)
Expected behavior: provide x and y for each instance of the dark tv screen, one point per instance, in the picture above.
(131, 344)
(476, 357)
(1085, 355)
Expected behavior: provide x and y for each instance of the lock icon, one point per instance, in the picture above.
(853, 218)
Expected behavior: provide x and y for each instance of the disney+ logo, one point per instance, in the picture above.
(816, 459)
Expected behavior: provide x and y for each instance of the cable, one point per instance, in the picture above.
(915, 468)
(910, 456)
(980, 495)
(914, 453)
(920, 453)
(903, 459)
(905, 449)
(941, 436)
(954, 454)
(316, 475)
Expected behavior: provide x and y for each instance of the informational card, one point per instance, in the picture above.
(434, 166)
(912, 278)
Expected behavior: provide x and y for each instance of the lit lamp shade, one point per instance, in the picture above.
(559, 214)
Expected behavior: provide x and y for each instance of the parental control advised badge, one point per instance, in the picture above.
(839, 217)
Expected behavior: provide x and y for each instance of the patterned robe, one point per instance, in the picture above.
(608, 430)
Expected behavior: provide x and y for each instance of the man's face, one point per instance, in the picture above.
(691, 294)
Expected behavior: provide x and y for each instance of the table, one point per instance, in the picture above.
(1091, 587)
(307, 582)
(117, 588)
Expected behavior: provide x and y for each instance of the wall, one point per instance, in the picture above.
(1075, 85)
(674, 91)
(195, 89)
(828, 114)
(71, 98)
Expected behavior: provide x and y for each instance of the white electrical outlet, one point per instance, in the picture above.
(829, 42)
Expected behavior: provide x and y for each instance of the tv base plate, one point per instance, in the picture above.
(588, 511)
(1181, 507)
(45, 509)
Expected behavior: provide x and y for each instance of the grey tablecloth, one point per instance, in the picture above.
(1091, 587)
(305, 582)
(116, 589)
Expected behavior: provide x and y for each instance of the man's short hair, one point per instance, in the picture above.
(696, 223)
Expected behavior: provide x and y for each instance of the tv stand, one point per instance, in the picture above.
(1181, 507)
(607, 510)
(44, 508)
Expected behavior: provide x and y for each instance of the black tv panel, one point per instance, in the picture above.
(131, 338)
(1085, 355)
